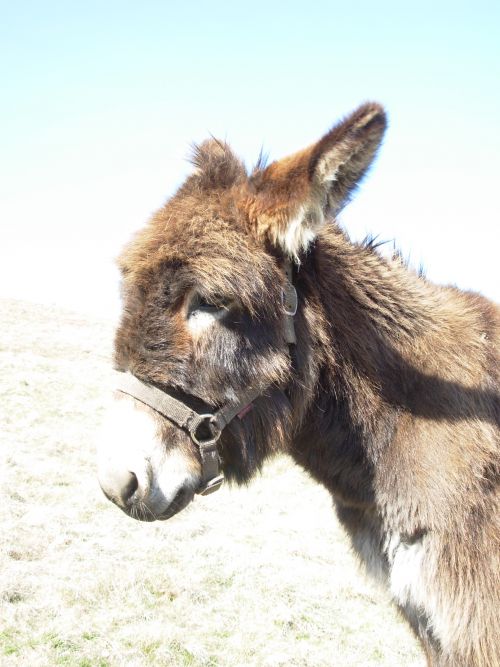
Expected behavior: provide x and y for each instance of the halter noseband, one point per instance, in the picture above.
(205, 429)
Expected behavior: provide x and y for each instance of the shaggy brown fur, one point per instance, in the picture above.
(390, 399)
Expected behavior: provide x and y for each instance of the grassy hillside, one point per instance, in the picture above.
(260, 576)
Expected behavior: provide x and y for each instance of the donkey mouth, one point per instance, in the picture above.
(145, 504)
(146, 509)
(181, 500)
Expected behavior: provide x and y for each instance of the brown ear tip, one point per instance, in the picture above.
(373, 106)
(372, 113)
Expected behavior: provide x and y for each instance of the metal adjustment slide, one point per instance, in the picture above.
(211, 486)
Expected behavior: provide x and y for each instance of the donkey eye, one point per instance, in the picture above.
(205, 305)
(212, 304)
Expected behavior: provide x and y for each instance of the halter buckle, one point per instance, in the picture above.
(212, 427)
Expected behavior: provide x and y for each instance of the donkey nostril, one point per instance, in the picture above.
(129, 486)
(120, 485)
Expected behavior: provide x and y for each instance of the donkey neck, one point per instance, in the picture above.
(378, 312)
(369, 296)
(368, 318)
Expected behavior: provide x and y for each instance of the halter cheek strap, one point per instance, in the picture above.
(289, 302)
(205, 428)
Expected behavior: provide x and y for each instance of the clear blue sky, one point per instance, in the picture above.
(101, 100)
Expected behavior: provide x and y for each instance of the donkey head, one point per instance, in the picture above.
(204, 317)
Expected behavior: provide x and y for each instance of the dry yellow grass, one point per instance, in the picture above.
(260, 576)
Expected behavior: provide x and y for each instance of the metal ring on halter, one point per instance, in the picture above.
(212, 426)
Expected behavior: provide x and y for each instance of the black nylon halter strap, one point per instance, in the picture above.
(191, 421)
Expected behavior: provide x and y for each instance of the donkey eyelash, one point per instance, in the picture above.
(209, 304)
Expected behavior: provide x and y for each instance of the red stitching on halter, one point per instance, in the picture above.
(243, 413)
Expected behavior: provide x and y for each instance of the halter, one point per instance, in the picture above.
(205, 429)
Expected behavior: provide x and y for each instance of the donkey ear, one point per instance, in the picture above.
(215, 164)
(294, 196)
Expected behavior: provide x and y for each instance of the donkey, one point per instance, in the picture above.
(252, 325)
